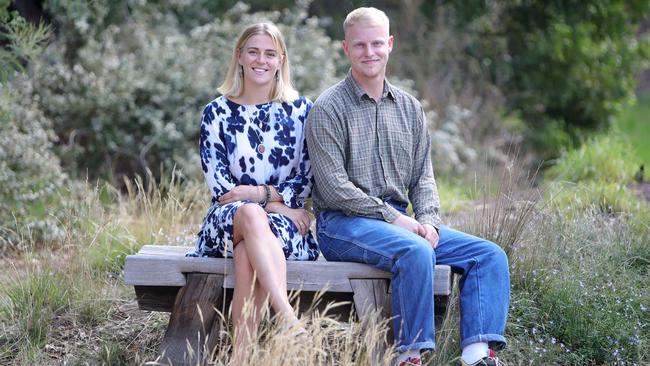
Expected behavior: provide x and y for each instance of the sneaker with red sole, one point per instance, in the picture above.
(411, 361)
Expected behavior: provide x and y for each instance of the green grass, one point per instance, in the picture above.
(606, 158)
(579, 270)
(634, 123)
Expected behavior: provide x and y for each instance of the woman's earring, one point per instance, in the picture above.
(241, 71)
(277, 77)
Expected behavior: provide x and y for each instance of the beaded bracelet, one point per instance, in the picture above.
(267, 198)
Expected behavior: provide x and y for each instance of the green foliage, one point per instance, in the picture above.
(132, 99)
(605, 158)
(573, 62)
(450, 153)
(579, 291)
(30, 175)
(596, 176)
(633, 124)
(566, 68)
(608, 198)
(23, 41)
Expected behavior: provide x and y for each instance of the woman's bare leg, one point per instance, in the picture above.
(247, 304)
(251, 229)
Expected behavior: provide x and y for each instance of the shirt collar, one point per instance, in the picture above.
(389, 89)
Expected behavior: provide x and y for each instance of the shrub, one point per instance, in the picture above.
(451, 154)
(30, 174)
(132, 99)
(577, 65)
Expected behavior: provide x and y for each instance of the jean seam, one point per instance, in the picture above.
(352, 241)
(402, 310)
(479, 294)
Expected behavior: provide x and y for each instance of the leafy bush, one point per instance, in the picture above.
(451, 154)
(30, 174)
(21, 42)
(566, 68)
(576, 65)
(132, 99)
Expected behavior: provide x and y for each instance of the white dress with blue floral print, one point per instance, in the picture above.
(252, 145)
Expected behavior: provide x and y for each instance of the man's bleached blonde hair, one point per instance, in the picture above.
(365, 16)
(282, 89)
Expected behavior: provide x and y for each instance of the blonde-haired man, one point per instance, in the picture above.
(369, 148)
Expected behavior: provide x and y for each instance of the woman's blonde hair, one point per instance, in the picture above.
(282, 89)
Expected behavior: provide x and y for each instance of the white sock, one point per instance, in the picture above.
(475, 352)
(403, 356)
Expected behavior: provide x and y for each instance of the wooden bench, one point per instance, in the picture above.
(190, 288)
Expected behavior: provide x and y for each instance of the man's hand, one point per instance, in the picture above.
(410, 224)
(299, 216)
(431, 235)
(240, 193)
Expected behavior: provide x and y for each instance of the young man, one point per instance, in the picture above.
(369, 147)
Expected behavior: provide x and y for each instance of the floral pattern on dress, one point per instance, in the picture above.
(252, 145)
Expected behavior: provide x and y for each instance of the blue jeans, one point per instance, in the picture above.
(484, 282)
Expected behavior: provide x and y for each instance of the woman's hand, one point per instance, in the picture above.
(299, 216)
(240, 193)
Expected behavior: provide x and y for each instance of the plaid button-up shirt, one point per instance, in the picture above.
(365, 153)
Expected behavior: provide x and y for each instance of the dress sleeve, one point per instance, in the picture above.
(213, 148)
(297, 187)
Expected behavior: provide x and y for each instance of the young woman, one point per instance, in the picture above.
(255, 161)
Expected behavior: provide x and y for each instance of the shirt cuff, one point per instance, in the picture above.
(432, 220)
(389, 213)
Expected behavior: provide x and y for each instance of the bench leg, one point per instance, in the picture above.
(371, 296)
(190, 337)
(441, 304)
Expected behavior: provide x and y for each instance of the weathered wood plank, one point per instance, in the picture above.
(157, 265)
(190, 338)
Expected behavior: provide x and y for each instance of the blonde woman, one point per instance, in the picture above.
(255, 161)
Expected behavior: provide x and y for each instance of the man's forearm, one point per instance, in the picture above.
(344, 196)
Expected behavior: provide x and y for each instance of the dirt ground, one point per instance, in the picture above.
(642, 190)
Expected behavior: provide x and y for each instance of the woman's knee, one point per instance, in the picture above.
(249, 213)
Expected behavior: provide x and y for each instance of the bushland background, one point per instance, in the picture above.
(539, 118)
